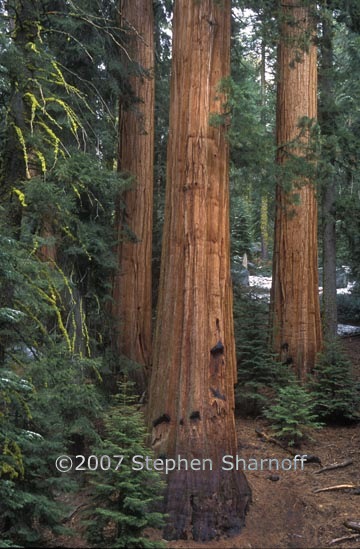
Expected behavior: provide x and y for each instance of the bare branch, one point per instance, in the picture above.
(344, 538)
(335, 466)
(338, 487)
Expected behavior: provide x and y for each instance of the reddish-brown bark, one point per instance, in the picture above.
(132, 283)
(191, 397)
(295, 299)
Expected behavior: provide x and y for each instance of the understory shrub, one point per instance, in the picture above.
(43, 413)
(126, 501)
(258, 370)
(292, 416)
(336, 393)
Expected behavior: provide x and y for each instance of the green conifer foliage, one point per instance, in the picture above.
(51, 411)
(48, 397)
(292, 415)
(126, 500)
(258, 372)
(81, 193)
(334, 389)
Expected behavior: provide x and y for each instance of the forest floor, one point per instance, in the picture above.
(286, 513)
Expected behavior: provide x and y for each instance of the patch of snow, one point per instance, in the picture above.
(347, 329)
(260, 281)
(266, 281)
(28, 351)
(32, 435)
(11, 315)
(263, 297)
(25, 385)
(346, 290)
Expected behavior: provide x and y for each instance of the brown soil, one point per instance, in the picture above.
(286, 513)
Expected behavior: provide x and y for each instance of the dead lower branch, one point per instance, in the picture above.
(338, 487)
(334, 466)
(353, 525)
(344, 538)
(273, 440)
(308, 458)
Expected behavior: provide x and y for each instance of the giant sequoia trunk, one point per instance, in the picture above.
(132, 283)
(295, 301)
(326, 119)
(191, 398)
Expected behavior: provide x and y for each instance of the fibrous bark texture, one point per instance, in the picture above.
(326, 119)
(191, 397)
(295, 300)
(132, 283)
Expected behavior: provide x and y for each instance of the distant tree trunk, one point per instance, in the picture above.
(132, 284)
(264, 230)
(47, 251)
(326, 119)
(191, 400)
(294, 296)
(329, 261)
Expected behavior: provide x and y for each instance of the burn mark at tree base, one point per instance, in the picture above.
(216, 393)
(218, 349)
(202, 505)
(285, 356)
(165, 418)
(160, 431)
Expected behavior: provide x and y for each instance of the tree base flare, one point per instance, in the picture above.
(203, 505)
